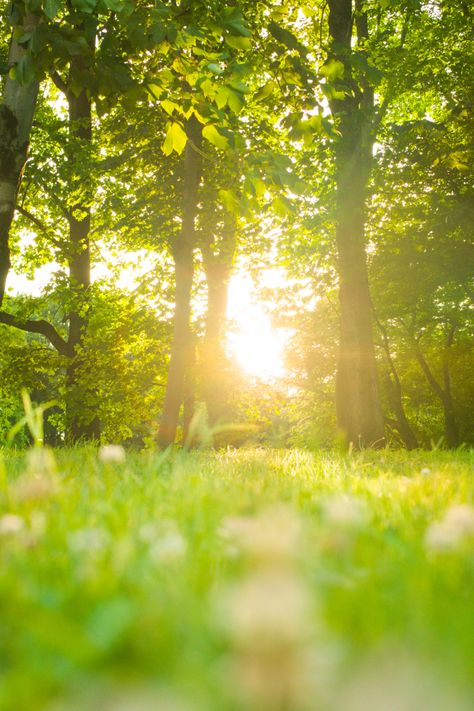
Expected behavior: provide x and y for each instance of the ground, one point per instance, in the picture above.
(244, 580)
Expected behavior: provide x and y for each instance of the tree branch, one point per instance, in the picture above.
(59, 82)
(39, 224)
(382, 109)
(67, 214)
(40, 326)
(427, 371)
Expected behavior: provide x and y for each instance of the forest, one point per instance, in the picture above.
(315, 159)
(236, 355)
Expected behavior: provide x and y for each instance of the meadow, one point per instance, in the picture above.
(240, 580)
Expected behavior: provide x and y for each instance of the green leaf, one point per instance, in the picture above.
(215, 68)
(258, 187)
(115, 5)
(230, 201)
(265, 91)
(154, 90)
(282, 206)
(222, 97)
(233, 20)
(240, 86)
(239, 28)
(175, 140)
(24, 70)
(281, 34)
(211, 133)
(242, 43)
(334, 69)
(87, 6)
(169, 106)
(231, 98)
(51, 8)
(25, 38)
(235, 101)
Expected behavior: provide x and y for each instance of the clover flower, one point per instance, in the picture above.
(10, 524)
(112, 454)
(452, 531)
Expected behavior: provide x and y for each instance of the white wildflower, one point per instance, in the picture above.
(345, 511)
(426, 471)
(112, 454)
(91, 540)
(267, 610)
(461, 518)
(169, 547)
(440, 538)
(10, 524)
(452, 531)
(273, 535)
(148, 532)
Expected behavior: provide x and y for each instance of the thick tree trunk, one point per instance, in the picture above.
(16, 118)
(79, 425)
(213, 356)
(183, 249)
(359, 413)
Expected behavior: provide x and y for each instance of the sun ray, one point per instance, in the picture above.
(253, 341)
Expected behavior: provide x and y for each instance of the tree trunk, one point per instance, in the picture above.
(403, 426)
(213, 356)
(450, 424)
(182, 249)
(451, 430)
(394, 387)
(189, 392)
(359, 413)
(79, 425)
(16, 118)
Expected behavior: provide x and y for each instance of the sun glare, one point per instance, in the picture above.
(256, 345)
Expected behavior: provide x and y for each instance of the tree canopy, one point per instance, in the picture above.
(151, 152)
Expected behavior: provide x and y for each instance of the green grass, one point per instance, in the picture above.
(242, 580)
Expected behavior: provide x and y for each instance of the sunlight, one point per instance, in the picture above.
(257, 346)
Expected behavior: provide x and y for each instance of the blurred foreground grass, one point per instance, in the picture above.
(262, 580)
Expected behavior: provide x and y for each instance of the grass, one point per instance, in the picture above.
(248, 579)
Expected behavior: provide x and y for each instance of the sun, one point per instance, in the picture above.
(257, 346)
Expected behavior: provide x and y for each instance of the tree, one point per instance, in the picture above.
(16, 117)
(183, 248)
(358, 405)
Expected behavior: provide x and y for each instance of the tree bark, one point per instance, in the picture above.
(189, 392)
(450, 423)
(16, 118)
(218, 270)
(182, 249)
(451, 429)
(79, 426)
(359, 412)
(395, 395)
